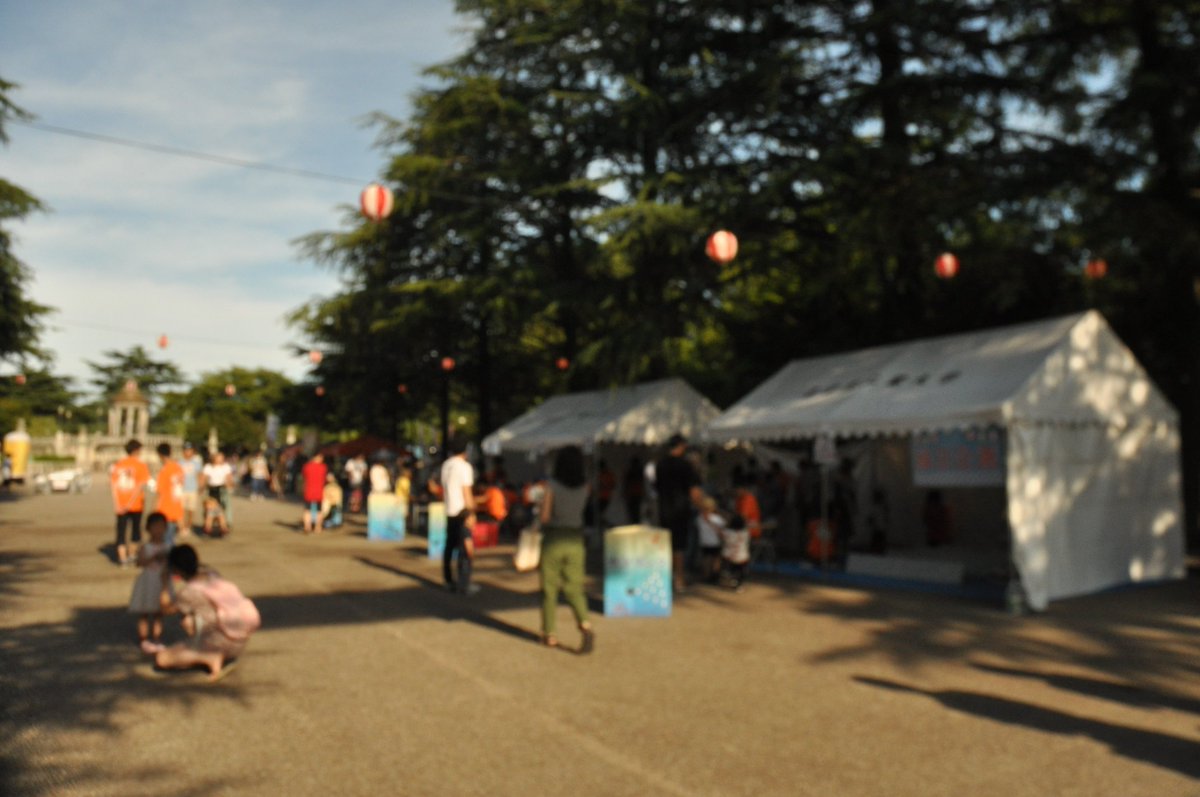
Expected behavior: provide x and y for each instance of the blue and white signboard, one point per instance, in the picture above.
(637, 572)
(385, 517)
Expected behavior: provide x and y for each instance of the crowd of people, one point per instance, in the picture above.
(712, 527)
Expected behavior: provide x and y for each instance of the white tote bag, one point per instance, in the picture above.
(529, 550)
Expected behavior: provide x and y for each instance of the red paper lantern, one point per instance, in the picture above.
(19, 379)
(376, 202)
(320, 391)
(1096, 268)
(230, 390)
(315, 356)
(402, 388)
(722, 247)
(447, 364)
(946, 265)
(562, 363)
(162, 341)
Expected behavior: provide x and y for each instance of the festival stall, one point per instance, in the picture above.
(616, 426)
(1048, 440)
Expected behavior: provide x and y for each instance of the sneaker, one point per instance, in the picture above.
(472, 589)
(150, 648)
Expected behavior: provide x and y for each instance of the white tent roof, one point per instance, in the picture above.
(1064, 370)
(644, 414)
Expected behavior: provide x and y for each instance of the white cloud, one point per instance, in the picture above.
(147, 243)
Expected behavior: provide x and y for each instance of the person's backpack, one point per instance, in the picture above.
(237, 616)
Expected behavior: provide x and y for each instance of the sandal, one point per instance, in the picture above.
(589, 640)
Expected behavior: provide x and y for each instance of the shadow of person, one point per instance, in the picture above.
(1152, 747)
(459, 610)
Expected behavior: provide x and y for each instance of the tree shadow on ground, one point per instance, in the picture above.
(1114, 692)
(1159, 749)
(76, 676)
(1143, 635)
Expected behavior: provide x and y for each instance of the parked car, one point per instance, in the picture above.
(68, 480)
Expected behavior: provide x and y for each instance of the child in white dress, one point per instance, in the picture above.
(146, 600)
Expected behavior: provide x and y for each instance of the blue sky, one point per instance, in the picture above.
(139, 244)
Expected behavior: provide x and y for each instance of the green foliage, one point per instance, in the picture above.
(21, 318)
(240, 419)
(557, 181)
(45, 401)
(152, 376)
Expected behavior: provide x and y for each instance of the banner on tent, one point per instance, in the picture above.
(960, 458)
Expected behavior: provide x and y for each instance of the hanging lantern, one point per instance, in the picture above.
(402, 388)
(19, 379)
(946, 266)
(447, 364)
(162, 341)
(230, 390)
(314, 357)
(1096, 268)
(320, 391)
(562, 363)
(376, 202)
(722, 247)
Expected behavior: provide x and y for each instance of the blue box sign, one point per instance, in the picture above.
(637, 572)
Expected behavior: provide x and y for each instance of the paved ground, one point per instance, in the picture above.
(368, 679)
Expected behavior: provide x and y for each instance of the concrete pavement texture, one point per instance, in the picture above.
(369, 678)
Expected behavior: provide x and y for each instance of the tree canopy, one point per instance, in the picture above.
(20, 316)
(556, 181)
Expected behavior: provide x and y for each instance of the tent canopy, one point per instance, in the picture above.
(645, 414)
(1092, 474)
(1070, 370)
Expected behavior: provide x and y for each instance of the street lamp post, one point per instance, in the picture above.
(447, 368)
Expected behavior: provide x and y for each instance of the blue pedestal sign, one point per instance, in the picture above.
(437, 530)
(637, 572)
(385, 517)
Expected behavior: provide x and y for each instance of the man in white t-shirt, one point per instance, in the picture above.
(458, 477)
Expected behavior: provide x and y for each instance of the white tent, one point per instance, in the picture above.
(1089, 447)
(644, 414)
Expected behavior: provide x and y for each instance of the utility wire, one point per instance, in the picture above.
(226, 160)
(140, 333)
(189, 153)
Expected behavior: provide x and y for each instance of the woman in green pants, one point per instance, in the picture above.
(562, 560)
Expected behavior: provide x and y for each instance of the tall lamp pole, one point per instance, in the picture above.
(447, 368)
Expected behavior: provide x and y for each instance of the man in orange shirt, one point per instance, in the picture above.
(170, 492)
(129, 478)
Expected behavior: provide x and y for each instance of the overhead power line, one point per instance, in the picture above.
(240, 163)
(224, 160)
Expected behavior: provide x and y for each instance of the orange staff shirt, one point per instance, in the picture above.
(129, 478)
(170, 491)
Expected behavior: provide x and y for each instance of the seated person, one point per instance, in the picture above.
(494, 505)
(330, 515)
(210, 644)
(214, 515)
